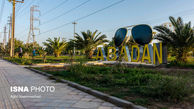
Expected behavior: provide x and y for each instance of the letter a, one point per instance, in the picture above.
(148, 54)
(100, 54)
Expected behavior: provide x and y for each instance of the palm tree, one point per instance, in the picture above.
(89, 41)
(70, 47)
(181, 38)
(55, 45)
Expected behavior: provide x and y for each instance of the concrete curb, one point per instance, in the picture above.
(10, 61)
(114, 100)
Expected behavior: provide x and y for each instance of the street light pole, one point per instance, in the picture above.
(74, 23)
(13, 27)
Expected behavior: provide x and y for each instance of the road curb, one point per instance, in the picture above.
(114, 100)
(10, 61)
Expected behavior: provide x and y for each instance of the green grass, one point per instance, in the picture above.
(60, 57)
(49, 59)
(180, 65)
(127, 82)
(67, 59)
(142, 101)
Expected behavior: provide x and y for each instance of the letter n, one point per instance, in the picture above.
(157, 53)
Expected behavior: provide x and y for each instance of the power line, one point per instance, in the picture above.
(26, 12)
(156, 19)
(100, 10)
(2, 8)
(9, 23)
(185, 12)
(23, 7)
(26, 7)
(4, 38)
(20, 7)
(67, 11)
(55, 18)
(31, 34)
(23, 33)
(74, 23)
(50, 10)
(81, 18)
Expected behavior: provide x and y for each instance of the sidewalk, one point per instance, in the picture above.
(64, 97)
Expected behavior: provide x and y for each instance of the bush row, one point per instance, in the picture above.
(143, 82)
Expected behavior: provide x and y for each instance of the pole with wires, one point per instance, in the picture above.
(4, 38)
(74, 23)
(13, 27)
(31, 34)
(9, 27)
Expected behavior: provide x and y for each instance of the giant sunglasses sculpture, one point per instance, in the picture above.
(140, 34)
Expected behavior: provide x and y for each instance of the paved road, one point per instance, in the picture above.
(64, 97)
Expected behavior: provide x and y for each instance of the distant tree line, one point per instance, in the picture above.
(180, 42)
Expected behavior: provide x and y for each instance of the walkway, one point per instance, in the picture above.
(64, 97)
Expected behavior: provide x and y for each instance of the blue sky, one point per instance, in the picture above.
(128, 12)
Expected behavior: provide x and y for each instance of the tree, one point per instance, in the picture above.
(56, 46)
(181, 38)
(70, 47)
(17, 45)
(29, 47)
(110, 44)
(89, 41)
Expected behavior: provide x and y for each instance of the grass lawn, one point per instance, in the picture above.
(150, 88)
(49, 59)
(67, 59)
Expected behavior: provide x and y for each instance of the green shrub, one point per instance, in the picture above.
(167, 88)
(27, 62)
(180, 64)
(140, 81)
(141, 101)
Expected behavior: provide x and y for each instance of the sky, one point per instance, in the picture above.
(106, 19)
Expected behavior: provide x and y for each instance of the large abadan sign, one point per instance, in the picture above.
(150, 53)
(140, 51)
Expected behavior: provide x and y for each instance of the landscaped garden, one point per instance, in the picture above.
(168, 86)
(151, 88)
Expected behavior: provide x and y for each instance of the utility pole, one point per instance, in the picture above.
(9, 24)
(4, 39)
(13, 27)
(31, 34)
(74, 23)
